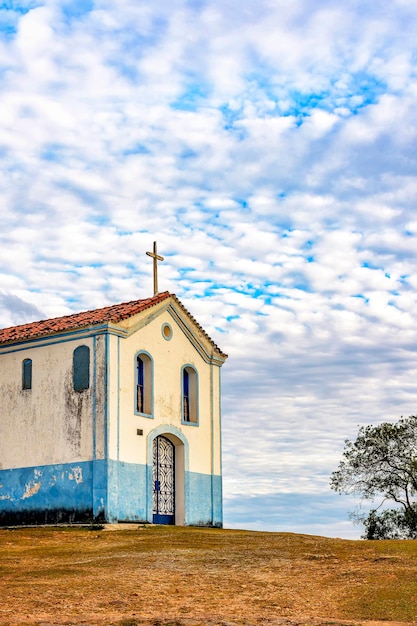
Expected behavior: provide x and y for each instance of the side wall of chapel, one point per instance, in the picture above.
(51, 441)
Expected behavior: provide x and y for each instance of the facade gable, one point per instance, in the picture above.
(187, 324)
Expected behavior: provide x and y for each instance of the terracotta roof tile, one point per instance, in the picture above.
(113, 313)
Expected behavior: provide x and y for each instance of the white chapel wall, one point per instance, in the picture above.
(50, 423)
(169, 356)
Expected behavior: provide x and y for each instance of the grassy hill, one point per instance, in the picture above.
(160, 575)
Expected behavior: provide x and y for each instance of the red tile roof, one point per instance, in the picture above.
(114, 313)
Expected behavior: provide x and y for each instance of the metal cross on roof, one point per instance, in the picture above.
(156, 258)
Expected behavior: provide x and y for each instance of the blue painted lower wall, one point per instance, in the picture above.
(204, 501)
(101, 490)
(127, 492)
(53, 493)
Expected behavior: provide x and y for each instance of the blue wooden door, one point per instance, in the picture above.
(163, 475)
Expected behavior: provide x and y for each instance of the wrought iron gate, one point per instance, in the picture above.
(163, 475)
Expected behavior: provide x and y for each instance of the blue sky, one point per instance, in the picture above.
(270, 149)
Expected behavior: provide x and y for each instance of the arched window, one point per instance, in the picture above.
(81, 368)
(144, 384)
(27, 374)
(189, 395)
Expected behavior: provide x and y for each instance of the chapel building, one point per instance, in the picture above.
(111, 415)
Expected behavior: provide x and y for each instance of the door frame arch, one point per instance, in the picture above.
(175, 436)
(163, 481)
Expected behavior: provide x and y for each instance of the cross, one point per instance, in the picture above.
(156, 258)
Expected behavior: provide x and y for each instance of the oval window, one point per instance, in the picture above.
(166, 331)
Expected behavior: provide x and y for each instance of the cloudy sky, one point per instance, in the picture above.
(270, 148)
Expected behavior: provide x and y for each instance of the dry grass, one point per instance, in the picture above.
(162, 576)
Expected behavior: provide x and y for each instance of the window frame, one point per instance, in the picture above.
(27, 369)
(189, 400)
(147, 383)
(81, 368)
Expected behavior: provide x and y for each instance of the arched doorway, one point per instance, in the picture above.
(163, 478)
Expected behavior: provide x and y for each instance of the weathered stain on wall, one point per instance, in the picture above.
(31, 489)
(77, 408)
(76, 474)
(100, 397)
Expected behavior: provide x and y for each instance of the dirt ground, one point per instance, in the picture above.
(170, 576)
